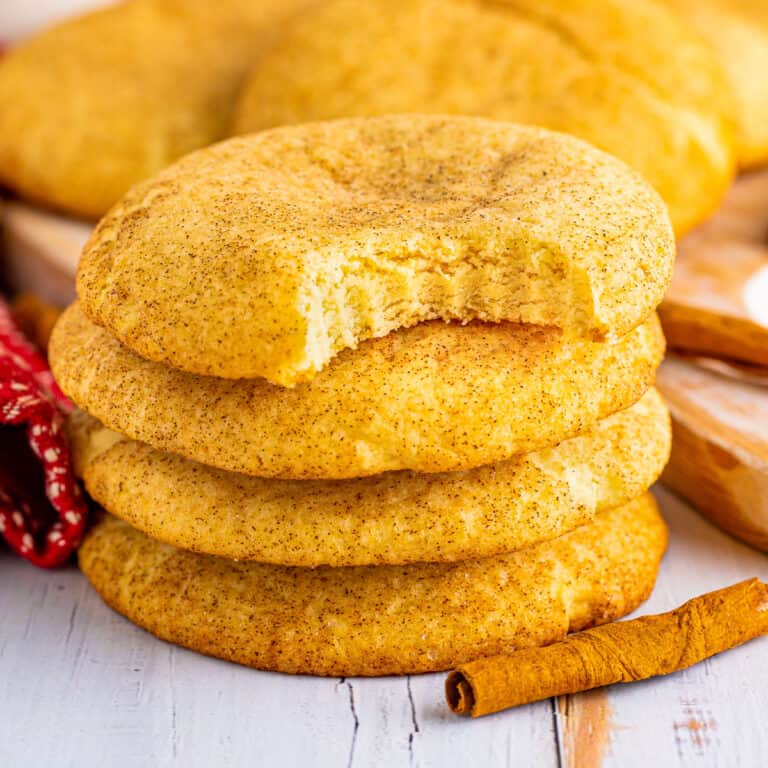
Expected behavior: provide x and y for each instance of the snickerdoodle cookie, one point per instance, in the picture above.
(431, 398)
(394, 518)
(95, 104)
(384, 619)
(266, 255)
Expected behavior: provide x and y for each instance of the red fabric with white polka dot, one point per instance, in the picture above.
(30, 399)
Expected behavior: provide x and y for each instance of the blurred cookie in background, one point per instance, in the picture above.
(659, 101)
(97, 103)
(738, 32)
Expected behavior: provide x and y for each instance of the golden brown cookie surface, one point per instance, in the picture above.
(738, 32)
(626, 75)
(379, 620)
(98, 103)
(266, 255)
(435, 397)
(395, 518)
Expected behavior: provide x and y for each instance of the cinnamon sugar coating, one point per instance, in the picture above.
(385, 619)
(394, 518)
(266, 255)
(432, 398)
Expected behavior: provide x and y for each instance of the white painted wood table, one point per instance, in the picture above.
(81, 687)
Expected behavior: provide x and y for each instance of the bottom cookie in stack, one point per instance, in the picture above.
(379, 620)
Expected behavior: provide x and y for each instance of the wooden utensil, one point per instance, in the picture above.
(718, 301)
(720, 445)
(41, 251)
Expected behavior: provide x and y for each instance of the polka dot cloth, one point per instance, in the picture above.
(30, 398)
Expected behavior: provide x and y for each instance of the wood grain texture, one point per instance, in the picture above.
(718, 301)
(706, 715)
(587, 726)
(80, 686)
(720, 446)
(41, 251)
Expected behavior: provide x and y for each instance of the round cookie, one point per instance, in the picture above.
(628, 76)
(432, 398)
(738, 32)
(100, 102)
(264, 256)
(395, 518)
(379, 620)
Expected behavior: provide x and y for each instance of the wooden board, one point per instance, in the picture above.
(41, 251)
(720, 444)
(718, 301)
(80, 686)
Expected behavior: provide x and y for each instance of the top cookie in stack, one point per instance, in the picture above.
(265, 256)
(397, 343)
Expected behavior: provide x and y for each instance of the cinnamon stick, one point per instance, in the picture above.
(614, 653)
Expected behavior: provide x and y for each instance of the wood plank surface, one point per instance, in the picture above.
(82, 687)
(720, 445)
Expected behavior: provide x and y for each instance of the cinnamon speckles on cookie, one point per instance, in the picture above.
(267, 255)
(393, 518)
(432, 398)
(379, 620)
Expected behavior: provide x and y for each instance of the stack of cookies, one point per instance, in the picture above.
(373, 396)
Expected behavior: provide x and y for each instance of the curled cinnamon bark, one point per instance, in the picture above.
(614, 653)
